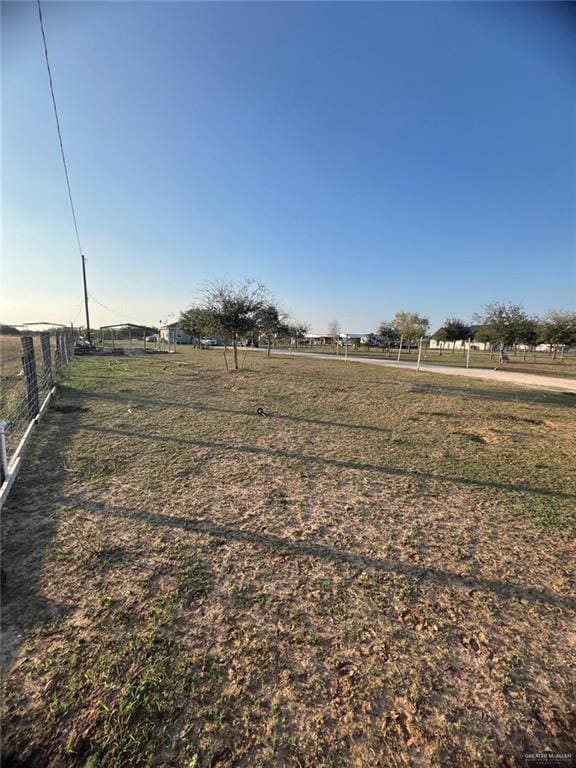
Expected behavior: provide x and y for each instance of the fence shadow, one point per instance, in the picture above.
(29, 526)
(322, 460)
(521, 396)
(309, 548)
(195, 406)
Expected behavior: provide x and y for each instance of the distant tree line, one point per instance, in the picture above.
(504, 325)
(9, 330)
(247, 314)
(501, 324)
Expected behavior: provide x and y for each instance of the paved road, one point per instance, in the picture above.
(501, 376)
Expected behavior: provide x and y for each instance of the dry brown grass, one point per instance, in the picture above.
(378, 573)
(541, 363)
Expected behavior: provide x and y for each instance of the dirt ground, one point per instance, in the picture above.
(379, 571)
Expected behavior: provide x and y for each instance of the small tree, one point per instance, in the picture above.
(440, 336)
(296, 332)
(410, 326)
(558, 329)
(455, 330)
(388, 334)
(197, 322)
(503, 324)
(334, 331)
(271, 323)
(233, 309)
(528, 335)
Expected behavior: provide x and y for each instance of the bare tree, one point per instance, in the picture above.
(334, 331)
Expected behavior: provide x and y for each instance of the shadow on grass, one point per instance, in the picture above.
(520, 396)
(29, 525)
(307, 548)
(217, 409)
(312, 459)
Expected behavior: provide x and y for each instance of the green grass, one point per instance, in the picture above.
(379, 571)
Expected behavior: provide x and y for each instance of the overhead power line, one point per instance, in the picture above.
(65, 168)
(113, 311)
(58, 129)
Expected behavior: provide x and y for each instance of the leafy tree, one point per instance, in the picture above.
(233, 309)
(440, 335)
(453, 330)
(197, 322)
(558, 328)
(271, 323)
(410, 325)
(485, 335)
(528, 335)
(504, 324)
(334, 331)
(388, 334)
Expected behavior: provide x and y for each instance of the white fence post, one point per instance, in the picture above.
(400, 349)
(419, 354)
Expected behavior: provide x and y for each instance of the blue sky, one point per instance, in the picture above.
(357, 158)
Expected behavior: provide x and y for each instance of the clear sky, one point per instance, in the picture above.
(357, 158)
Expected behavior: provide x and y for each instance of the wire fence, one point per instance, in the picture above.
(31, 367)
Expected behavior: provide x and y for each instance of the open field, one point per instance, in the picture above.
(11, 386)
(379, 572)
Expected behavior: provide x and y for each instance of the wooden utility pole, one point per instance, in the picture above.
(88, 334)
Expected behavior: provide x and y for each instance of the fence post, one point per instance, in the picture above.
(46, 356)
(58, 353)
(3, 455)
(29, 367)
(65, 348)
(419, 354)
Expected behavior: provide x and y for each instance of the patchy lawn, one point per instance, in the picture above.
(379, 572)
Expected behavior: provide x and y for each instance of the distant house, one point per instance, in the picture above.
(461, 343)
(171, 333)
(481, 345)
(314, 340)
(344, 339)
